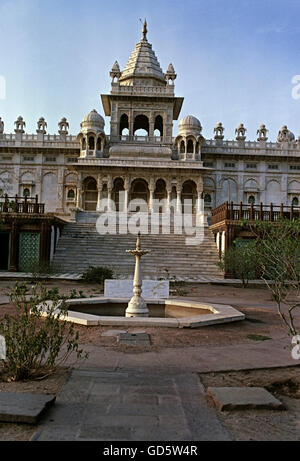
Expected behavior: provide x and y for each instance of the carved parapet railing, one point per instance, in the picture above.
(220, 213)
(29, 205)
(251, 212)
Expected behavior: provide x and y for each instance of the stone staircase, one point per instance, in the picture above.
(81, 246)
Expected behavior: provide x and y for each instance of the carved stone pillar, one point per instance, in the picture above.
(178, 199)
(126, 194)
(151, 194)
(14, 248)
(200, 208)
(99, 189)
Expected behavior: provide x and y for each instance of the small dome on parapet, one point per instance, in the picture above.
(93, 121)
(285, 135)
(170, 69)
(115, 67)
(189, 125)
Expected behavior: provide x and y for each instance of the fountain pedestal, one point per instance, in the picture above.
(137, 306)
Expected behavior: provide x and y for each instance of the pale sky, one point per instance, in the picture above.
(234, 59)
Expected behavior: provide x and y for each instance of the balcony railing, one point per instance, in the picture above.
(149, 139)
(234, 212)
(21, 205)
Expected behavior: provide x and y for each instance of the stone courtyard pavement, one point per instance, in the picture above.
(109, 406)
(150, 396)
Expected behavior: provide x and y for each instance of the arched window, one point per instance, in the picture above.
(295, 201)
(71, 194)
(182, 147)
(190, 146)
(158, 125)
(189, 196)
(124, 125)
(141, 125)
(251, 199)
(117, 196)
(26, 192)
(99, 144)
(90, 194)
(91, 143)
(207, 199)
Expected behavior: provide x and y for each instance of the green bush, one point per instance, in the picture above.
(36, 344)
(97, 274)
(242, 260)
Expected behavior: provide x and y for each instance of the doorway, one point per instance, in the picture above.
(4, 253)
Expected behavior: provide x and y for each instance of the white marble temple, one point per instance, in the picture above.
(151, 289)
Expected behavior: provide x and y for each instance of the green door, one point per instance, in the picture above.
(29, 251)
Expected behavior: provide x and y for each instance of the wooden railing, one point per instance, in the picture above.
(21, 205)
(251, 212)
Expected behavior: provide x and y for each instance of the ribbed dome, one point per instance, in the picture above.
(189, 124)
(93, 120)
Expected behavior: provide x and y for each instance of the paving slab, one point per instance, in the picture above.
(140, 339)
(18, 407)
(131, 406)
(238, 398)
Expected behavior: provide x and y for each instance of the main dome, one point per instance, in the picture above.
(189, 124)
(142, 66)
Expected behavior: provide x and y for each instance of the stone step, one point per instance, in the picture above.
(80, 246)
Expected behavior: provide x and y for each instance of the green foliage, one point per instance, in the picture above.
(241, 260)
(36, 344)
(73, 294)
(176, 285)
(97, 274)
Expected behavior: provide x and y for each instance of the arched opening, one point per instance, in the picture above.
(141, 125)
(207, 200)
(188, 197)
(83, 144)
(90, 194)
(71, 194)
(117, 195)
(251, 199)
(26, 192)
(160, 193)
(173, 199)
(139, 190)
(99, 143)
(124, 125)
(158, 126)
(182, 147)
(190, 146)
(295, 201)
(91, 142)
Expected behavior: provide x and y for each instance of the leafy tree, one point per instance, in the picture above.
(278, 249)
(241, 260)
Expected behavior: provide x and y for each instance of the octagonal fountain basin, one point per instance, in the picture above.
(175, 313)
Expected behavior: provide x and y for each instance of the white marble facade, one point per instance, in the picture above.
(141, 156)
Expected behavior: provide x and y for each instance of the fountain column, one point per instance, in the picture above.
(137, 306)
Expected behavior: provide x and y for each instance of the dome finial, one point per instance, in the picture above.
(145, 30)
